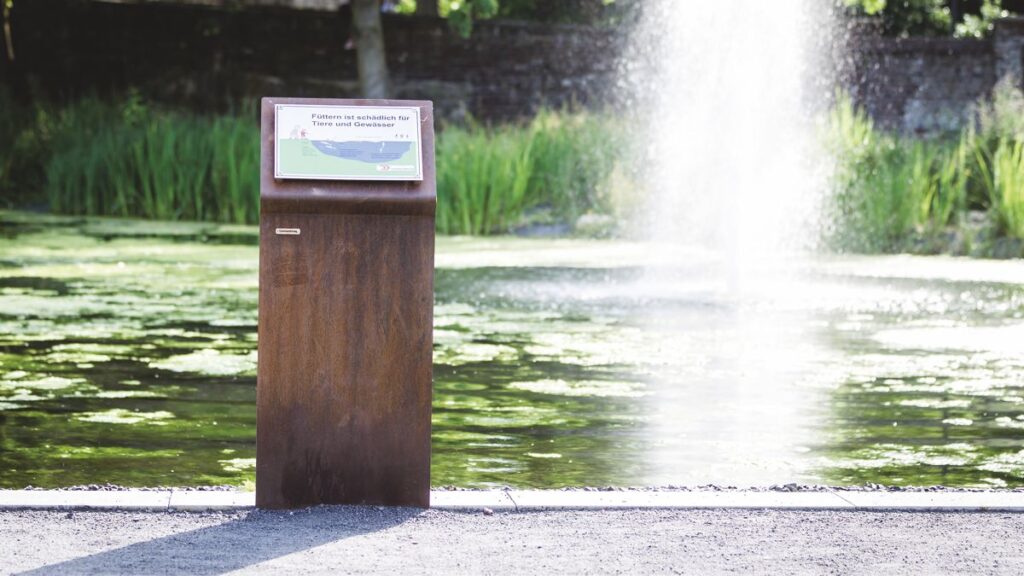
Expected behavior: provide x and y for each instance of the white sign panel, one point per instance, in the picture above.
(347, 142)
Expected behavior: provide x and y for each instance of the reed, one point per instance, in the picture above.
(482, 178)
(488, 176)
(130, 159)
(153, 164)
(1006, 188)
(21, 153)
(887, 188)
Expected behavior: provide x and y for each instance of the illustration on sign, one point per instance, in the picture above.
(347, 143)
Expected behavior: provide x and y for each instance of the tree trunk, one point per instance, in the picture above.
(427, 8)
(5, 29)
(369, 39)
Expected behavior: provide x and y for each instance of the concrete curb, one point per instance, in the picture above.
(527, 500)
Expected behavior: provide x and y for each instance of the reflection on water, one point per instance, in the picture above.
(127, 356)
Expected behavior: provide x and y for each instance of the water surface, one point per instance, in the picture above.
(127, 355)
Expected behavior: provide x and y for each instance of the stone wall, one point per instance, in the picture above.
(931, 84)
(920, 85)
(214, 57)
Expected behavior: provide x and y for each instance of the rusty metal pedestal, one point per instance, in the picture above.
(345, 333)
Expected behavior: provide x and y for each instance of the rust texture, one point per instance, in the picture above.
(345, 334)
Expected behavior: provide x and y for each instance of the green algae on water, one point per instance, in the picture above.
(128, 354)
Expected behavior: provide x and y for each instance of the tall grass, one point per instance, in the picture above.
(132, 161)
(1006, 186)
(575, 156)
(488, 176)
(891, 188)
(127, 158)
(483, 178)
(22, 153)
(10, 121)
(998, 157)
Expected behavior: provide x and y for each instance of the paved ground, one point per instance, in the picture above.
(791, 497)
(359, 540)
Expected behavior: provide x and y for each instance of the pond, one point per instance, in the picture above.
(127, 355)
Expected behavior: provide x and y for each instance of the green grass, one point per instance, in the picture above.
(482, 178)
(1006, 186)
(488, 176)
(127, 158)
(21, 151)
(153, 164)
(890, 189)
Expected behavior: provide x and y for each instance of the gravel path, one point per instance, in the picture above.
(360, 540)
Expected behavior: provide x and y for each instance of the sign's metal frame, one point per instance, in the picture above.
(282, 173)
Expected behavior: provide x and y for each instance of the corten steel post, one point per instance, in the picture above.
(345, 333)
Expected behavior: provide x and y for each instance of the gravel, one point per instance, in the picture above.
(372, 540)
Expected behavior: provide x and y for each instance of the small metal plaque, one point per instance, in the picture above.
(347, 142)
(287, 231)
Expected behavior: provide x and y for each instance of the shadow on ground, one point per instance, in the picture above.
(239, 542)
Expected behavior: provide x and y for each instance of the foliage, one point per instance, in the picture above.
(488, 176)
(462, 13)
(483, 178)
(929, 17)
(981, 24)
(1000, 172)
(406, 6)
(889, 188)
(1005, 182)
(1003, 115)
(12, 119)
(567, 11)
(907, 17)
(136, 161)
(22, 148)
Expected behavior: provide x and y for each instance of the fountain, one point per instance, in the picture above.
(719, 350)
(722, 91)
(732, 176)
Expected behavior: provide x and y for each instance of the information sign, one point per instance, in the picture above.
(347, 143)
